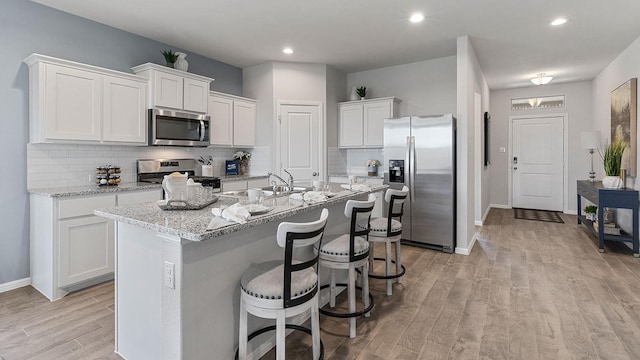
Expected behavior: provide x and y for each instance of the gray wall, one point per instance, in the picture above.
(578, 106)
(26, 28)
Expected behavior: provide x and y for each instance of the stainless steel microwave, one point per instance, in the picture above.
(168, 127)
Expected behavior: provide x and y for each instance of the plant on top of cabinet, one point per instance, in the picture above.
(170, 57)
(362, 92)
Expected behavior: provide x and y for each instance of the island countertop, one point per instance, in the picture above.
(201, 225)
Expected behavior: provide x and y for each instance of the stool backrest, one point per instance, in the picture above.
(360, 214)
(296, 235)
(396, 200)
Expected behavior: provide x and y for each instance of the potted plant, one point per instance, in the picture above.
(362, 92)
(170, 57)
(372, 167)
(612, 160)
(243, 160)
(590, 212)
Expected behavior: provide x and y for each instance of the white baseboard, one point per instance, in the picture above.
(484, 217)
(467, 250)
(500, 206)
(570, 212)
(15, 284)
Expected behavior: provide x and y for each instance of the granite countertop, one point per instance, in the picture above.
(91, 189)
(224, 178)
(192, 224)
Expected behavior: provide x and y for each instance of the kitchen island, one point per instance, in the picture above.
(177, 283)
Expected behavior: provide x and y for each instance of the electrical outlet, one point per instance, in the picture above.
(502, 149)
(169, 275)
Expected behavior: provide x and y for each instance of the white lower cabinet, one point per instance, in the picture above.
(70, 247)
(86, 249)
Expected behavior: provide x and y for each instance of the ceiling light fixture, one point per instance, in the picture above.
(416, 18)
(541, 79)
(558, 21)
(287, 50)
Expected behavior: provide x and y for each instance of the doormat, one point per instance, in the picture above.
(539, 215)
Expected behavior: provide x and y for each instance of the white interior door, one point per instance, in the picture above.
(537, 163)
(300, 139)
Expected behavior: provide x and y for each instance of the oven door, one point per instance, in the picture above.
(179, 129)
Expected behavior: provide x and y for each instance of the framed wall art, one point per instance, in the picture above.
(624, 122)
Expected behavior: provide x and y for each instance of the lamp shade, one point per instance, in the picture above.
(590, 139)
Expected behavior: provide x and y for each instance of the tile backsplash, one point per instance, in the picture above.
(352, 161)
(52, 165)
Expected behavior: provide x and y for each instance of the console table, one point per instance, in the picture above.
(612, 198)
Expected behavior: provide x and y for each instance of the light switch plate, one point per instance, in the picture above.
(502, 149)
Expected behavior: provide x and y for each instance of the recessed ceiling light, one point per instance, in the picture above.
(287, 50)
(416, 18)
(541, 79)
(558, 21)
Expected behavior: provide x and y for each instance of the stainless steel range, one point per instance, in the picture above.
(154, 170)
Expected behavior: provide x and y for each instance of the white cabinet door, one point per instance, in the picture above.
(244, 123)
(374, 115)
(221, 126)
(196, 95)
(124, 110)
(168, 90)
(86, 249)
(351, 126)
(72, 105)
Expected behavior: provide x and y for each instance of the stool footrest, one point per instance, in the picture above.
(288, 326)
(386, 277)
(347, 315)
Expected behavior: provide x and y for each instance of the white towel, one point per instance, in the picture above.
(235, 213)
(356, 187)
(314, 196)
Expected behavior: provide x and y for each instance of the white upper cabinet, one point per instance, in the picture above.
(233, 120)
(70, 102)
(175, 89)
(361, 123)
(124, 110)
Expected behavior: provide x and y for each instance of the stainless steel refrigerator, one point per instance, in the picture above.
(420, 152)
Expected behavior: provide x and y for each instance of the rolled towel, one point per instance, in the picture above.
(314, 196)
(356, 187)
(235, 213)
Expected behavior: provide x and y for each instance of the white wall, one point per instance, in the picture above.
(470, 80)
(624, 67)
(578, 100)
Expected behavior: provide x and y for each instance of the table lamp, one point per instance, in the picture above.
(590, 140)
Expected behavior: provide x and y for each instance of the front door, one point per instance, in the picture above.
(537, 163)
(300, 141)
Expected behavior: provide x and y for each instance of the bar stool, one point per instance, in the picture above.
(349, 252)
(388, 230)
(281, 289)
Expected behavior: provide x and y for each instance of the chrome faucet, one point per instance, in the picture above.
(274, 184)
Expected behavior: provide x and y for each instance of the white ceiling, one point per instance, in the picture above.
(512, 38)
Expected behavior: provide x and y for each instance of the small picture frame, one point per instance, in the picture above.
(231, 167)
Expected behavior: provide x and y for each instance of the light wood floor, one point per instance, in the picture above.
(529, 290)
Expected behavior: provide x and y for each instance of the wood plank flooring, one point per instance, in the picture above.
(529, 290)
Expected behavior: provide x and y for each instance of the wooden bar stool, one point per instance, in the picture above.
(281, 289)
(389, 230)
(349, 252)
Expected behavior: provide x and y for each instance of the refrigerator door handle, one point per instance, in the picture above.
(407, 169)
(412, 169)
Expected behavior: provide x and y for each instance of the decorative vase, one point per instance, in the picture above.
(181, 63)
(372, 170)
(354, 94)
(612, 182)
(242, 168)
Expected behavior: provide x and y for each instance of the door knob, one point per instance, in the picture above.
(315, 173)
(515, 168)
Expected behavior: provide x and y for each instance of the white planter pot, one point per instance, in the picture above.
(612, 182)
